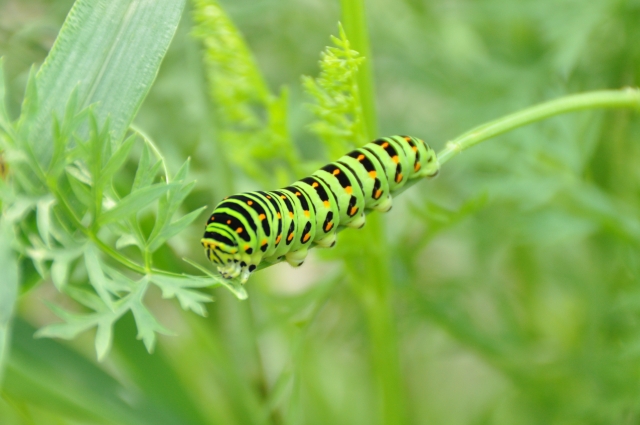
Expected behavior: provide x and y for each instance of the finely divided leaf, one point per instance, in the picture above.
(179, 287)
(147, 325)
(173, 229)
(132, 203)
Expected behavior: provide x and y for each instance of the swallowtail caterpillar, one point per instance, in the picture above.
(254, 227)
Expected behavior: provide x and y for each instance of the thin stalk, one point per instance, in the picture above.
(355, 25)
(370, 272)
(624, 98)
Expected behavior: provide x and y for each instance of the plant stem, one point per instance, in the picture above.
(624, 98)
(369, 266)
(355, 25)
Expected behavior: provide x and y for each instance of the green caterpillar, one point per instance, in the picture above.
(249, 228)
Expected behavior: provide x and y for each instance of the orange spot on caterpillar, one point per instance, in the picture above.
(414, 148)
(384, 145)
(314, 185)
(279, 216)
(290, 237)
(373, 174)
(239, 230)
(407, 138)
(353, 211)
(336, 171)
(395, 159)
(326, 204)
(234, 250)
(378, 193)
(268, 197)
(246, 247)
(417, 166)
(278, 239)
(297, 193)
(360, 157)
(348, 189)
(262, 217)
(306, 237)
(290, 214)
(249, 202)
(283, 197)
(399, 178)
(328, 226)
(263, 243)
(228, 221)
(306, 213)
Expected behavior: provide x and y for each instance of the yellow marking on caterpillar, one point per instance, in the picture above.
(262, 217)
(395, 159)
(360, 157)
(326, 204)
(279, 216)
(290, 237)
(306, 213)
(399, 178)
(336, 171)
(306, 237)
(278, 239)
(290, 214)
(328, 226)
(348, 189)
(417, 166)
(239, 230)
(314, 185)
(373, 174)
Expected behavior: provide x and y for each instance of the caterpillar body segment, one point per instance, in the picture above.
(247, 229)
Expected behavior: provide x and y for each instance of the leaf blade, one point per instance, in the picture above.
(110, 51)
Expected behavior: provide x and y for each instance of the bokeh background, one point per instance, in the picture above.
(513, 295)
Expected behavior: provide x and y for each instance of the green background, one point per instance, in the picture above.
(513, 292)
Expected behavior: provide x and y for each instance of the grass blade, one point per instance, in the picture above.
(110, 52)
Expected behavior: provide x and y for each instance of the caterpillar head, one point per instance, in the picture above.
(224, 256)
(221, 247)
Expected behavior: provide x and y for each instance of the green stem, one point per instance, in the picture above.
(369, 266)
(625, 98)
(355, 25)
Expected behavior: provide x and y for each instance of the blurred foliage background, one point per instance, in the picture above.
(512, 292)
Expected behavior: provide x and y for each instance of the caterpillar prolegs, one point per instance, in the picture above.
(249, 228)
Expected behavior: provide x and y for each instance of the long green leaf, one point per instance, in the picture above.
(110, 50)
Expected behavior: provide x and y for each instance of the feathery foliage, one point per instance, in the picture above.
(335, 92)
(251, 122)
(66, 207)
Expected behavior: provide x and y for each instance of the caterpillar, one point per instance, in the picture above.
(249, 228)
